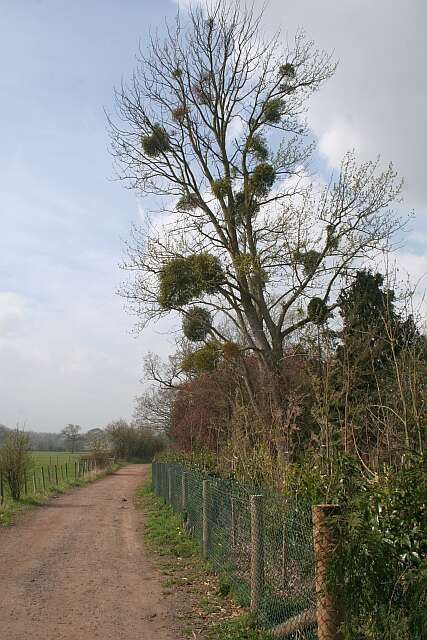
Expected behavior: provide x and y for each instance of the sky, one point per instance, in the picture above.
(68, 352)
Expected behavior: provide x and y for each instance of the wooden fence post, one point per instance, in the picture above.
(205, 519)
(257, 551)
(1, 488)
(328, 618)
(43, 480)
(34, 482)
(25, 483)
(56, 474)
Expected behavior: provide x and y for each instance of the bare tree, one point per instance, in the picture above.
(153, 409)
(212, 125)
(72, 436)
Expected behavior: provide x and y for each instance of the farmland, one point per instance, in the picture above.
(45, 458)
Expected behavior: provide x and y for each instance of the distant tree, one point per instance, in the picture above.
(4, 432)
(153, 409)
(72, 436)
(131, 442)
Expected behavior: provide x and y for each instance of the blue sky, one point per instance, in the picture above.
(66, 349)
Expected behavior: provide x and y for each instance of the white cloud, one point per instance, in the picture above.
(337, 139)
(13, 309)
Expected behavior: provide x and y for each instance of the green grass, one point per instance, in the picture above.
(240, 628)
(165, 535)
(46, 458)
(163, 528)
(12, 508)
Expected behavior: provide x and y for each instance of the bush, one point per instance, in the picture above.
(380, 565)
(15, 460)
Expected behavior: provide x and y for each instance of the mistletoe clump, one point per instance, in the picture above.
(246, 265)
(331, 238)
(202, 90)
(242, 209)
(179, 113)
(183, 279)
(220, 187)
(317, 311)
(287, 70)
(156, 143)
(197, 324)
(309, 259)
(177, 285)
(230, 350)
(202, 360)
(273, 110)
(262, 179)
(207, 271)
(187, 202)
(258, 147)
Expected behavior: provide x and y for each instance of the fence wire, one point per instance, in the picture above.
(287, 589)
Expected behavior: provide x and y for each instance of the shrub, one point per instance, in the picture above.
(381, 561)
(15, 460)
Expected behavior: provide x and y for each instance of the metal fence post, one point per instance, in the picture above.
(205, 519)
(170, 485)
(257, 551)
(328, 618)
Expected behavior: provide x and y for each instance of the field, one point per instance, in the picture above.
(46, 458)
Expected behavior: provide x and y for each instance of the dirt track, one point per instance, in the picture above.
(77, 569)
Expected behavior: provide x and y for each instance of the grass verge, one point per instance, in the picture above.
(209, 612)
(12, 508)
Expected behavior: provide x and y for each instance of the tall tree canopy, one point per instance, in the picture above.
(212, 127)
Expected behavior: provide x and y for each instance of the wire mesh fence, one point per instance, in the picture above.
(261, 546)
(47, 477)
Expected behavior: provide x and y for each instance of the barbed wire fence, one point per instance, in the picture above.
(268, 551)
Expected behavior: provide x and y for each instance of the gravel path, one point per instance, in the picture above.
(76, 569)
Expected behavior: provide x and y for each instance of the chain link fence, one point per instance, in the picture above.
(261, 546)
